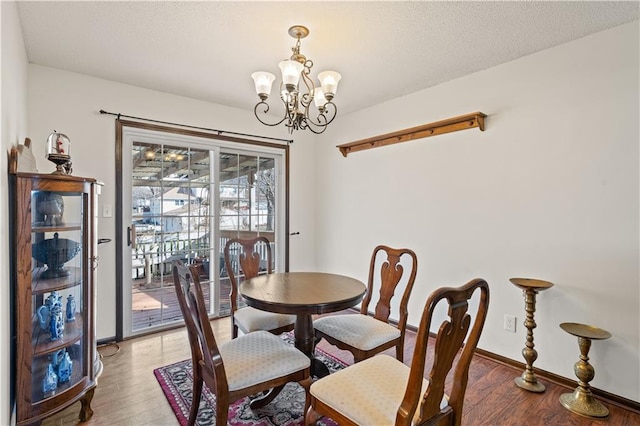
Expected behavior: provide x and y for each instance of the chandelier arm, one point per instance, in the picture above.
(323, 119)
(310, 125)
(266, 109)
(320, 121)
(330, 110)
(307, 98)
(290, 101)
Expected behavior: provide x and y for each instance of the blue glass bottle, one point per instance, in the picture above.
(43, 317)
(71, 309)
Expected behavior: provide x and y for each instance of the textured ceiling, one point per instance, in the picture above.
(207, 50)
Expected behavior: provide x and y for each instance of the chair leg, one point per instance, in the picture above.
(306, 384)
(222, 412)
(311, 417)
(234, 330)
(357, 357)
(400, 352)
(195, 397)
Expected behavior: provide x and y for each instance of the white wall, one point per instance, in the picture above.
(69, 103)
(13, 131)
(549, 190)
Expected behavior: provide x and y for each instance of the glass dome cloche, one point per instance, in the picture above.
(59, 152)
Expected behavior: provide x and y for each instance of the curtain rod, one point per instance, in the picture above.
(220, 132)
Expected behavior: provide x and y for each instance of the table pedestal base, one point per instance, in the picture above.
(304, 340)
(319, 369)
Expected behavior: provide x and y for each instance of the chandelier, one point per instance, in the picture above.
(299, 114)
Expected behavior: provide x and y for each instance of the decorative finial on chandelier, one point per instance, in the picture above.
(298, 113)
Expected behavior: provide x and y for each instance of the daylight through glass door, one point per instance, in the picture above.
(186, 202)
(171, 220)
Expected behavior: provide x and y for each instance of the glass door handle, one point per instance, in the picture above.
(131, 236)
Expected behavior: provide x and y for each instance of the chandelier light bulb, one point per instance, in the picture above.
(263, 81)
(291, 73)
(286, 97)
(329, 82)
(319, 99)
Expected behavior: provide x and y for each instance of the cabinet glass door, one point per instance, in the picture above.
(58, 301)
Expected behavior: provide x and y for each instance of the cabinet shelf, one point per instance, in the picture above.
(41, 227)
(41, 285)
(38, 396)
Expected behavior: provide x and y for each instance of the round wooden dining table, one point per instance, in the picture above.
(303, 294)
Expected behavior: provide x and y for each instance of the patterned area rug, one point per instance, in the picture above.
(176, 381)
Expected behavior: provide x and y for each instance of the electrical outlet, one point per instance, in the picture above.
(510, 323)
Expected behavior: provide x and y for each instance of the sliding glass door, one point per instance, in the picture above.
(183, 198)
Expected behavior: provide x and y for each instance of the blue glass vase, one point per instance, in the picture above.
(56, 323)
(65, 367)
(44, 311)
(50, 380)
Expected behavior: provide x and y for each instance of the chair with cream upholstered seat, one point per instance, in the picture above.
(365, 335)
(251, 364)
(242, 259)
(383, 391)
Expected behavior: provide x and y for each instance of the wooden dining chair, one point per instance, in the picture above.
(383, 391)
(246, 261)
(369, 333)
(254, 363)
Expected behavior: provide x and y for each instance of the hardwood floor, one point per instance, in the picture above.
(128, 393)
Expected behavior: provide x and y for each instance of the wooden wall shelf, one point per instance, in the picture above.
(462, 122)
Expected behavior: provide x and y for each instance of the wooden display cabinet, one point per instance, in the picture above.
(54, 257)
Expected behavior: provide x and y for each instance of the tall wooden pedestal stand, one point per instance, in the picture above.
(581, 401)
(530, 287)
